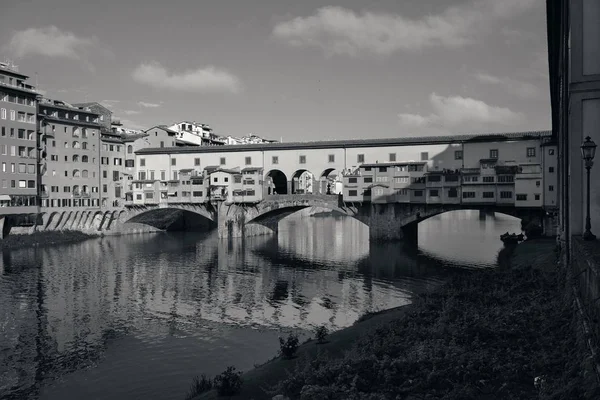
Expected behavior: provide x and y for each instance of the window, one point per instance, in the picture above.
(360, 158)
(130, 149)
(237, 179)
(368, 179)
(142, 162)
(468, 195)
(551, 188)
(506, 179)
(115, 176)
(381, 179)
(352, 180)
(225, 179)
(536, 196)
(3, 113)
(129, 163)
(248, 160)
(506, 195)
(434, 178)
(392, 157)
(434, 193)
(149, 195)
(367, 169)
(105, 174)
(197, 194)
(302, 160)
(274, 160)
(331, 158)
(488, 195)
(162, 143)
(452, 192)
(418, 193)
(531, 152)
(216, 179)
(22, 184)
(551, 170)
(424, 156)
(196, 161)
(488, 179)
(521, 197)
(222, 161)
(494, 153)
(537, 183)
(458, 154)
(173, 162)
(352, 193)
(382, 169)
(401, 179)
(163, 175)
(551, 152)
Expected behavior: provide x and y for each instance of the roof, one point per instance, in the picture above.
(488, 160)
(377, 185)
(394, 164)
(92, 103)
(163, 127)
(133, 138)
(63, 105)
(226, 170)
(355, 143)
(252, 169)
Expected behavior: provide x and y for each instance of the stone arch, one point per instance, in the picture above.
(276, 182)
(171, 218)
(330, 178)
(303, 182)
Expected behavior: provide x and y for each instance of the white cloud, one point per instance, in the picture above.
(208, 79)
(463, 112)
(49, 41)
(130, 112)
(523, 89)
(148, 105)
(338, 30)
(132, 124)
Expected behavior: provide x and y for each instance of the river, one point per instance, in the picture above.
(138, 316)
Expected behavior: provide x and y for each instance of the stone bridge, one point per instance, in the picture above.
(389, 221)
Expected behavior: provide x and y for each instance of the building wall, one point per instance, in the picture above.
(113, 181)
(550, 176)
(18, 142)
(72, 173)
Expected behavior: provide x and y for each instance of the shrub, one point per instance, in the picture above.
(199, 385)
(289, 346)
(321, 333)
(228, 382)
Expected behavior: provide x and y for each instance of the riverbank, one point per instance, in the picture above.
(483, 335)
(45, 238)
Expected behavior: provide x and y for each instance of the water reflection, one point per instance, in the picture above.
(137, 316)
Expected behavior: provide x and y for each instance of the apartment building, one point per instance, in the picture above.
(70, 159)
(18, 143)
(196, 134)
(248, 139)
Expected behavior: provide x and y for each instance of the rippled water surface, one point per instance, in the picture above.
(137, 316)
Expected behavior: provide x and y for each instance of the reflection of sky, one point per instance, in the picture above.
(172, 294)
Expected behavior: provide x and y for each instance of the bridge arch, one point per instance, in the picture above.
(303, 182)
(330, 181)
(184, 218)
(279, 182)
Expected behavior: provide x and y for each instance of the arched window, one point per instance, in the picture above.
(84, 158)
(75, 131)
(129, 149)
(84, 173)
(86, 189)
(84, 145)
(76, 173)
(75, 144)
(84, 133)
(76, 190)
(75, 158)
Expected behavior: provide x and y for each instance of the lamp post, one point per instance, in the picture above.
(588, 151)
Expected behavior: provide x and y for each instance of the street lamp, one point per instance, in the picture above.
(588, 151)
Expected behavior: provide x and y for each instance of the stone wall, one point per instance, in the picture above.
(585, 265)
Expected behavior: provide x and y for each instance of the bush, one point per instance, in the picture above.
(289, 346)
(229, 382)
(199, 385)
(321, 333)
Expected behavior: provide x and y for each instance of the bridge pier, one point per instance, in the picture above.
(232, 222)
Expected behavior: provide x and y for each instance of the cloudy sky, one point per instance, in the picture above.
(297, 70)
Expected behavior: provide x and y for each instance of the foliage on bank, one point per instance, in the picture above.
(497, 334)
(46, 238)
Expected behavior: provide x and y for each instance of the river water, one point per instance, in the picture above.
(138, 316)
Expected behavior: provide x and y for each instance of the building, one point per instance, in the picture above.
(70, 162)
(18, 143)
(248, 139)
(196, 134)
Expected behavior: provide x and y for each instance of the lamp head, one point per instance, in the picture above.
(588, 149)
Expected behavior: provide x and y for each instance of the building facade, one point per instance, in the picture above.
(71, 164)
(196, 134)
(19, 184)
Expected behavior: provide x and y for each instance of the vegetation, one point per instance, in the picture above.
(199, 385)
(321, 333)
(289, 346)
(229, 382)
(494, 334)
(44, 238)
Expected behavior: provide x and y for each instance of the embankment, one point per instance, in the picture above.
(39, 239)
(506, 333)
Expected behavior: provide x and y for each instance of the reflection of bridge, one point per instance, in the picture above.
(387, 221)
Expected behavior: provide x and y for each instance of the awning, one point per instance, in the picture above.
(4, 197)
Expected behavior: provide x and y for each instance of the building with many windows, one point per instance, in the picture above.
(70, 157)
(18, 143)
(196, 134)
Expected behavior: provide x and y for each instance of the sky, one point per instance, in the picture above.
(292, 70)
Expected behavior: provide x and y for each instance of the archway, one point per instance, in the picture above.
(303, 182)
(331, 182)
(276, 182)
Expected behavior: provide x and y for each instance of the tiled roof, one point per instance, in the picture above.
(354, 143)
(394, 164)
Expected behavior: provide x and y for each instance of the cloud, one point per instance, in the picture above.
(130, 112)
(127, 123)
(338, 30)
(523, 89)
(49, 41)
(148, 105)
(457, 111)
(208, 79)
